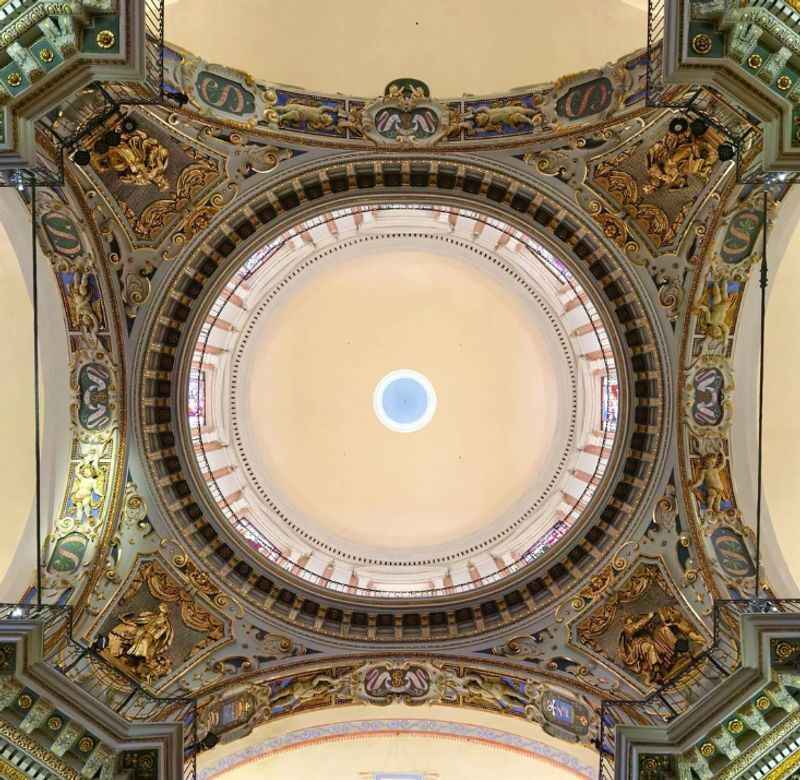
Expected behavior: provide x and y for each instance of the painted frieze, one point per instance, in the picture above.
(586, 99)
(707, 391)
(406, 114)
(68, 553)
(92, 482)
(401, 680)
(223, 94)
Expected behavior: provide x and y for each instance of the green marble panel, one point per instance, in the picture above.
(102, 36)
(47, 55)
(717, 40)
(14, 79)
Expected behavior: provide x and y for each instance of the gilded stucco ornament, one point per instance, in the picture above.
(31, 746)
(93, 383)
(134, 509)
(200, 579)
(713, 309)
(153, 219)
(412, 681)
(105, 39)
(404, 116)
(640, 173)
(269, 648)
(262, 159)
(710, 483)
(670, 294)
(709, 403)
(152, 182)
(499, 694)
(615, 229)
(511, 114)
(677, 157)
(649, 643)
(140, 641)
(158, 626)
(88, 487)
(721, 271)
(296, 114)
(642, 627)
(407, 116)
(79, 530)
(84, 308)
(138, 159)
(136, 286)
(417, 682)
(11, 772)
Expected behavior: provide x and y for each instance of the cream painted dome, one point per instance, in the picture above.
(447, 316)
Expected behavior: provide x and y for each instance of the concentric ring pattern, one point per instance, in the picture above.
(280, 401)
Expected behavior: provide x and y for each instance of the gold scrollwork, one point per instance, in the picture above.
(613, 227)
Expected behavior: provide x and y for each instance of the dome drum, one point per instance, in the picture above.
(400, 609)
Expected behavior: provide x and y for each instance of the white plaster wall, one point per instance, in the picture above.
(455, 46)
(780, 545)
(357, 757)
(17, 526)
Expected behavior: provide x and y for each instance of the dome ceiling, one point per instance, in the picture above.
(221, 484)
(505, 338)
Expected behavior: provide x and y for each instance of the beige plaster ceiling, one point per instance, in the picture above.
(782, 387)
(17, 485)
(455, 46)
(317, 358)
(17, 475)
(484, 753)
(294, 451)
(400, 757)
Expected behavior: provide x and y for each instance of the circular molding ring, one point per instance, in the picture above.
(479, 541)
(347, 619)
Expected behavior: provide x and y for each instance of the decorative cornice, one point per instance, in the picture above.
(785, 769)
(762, 747)
(37, 752)
(10, 772)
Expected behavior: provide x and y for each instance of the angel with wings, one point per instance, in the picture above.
(85, 311)
(88, 488)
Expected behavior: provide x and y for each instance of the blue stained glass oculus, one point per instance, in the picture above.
(404, 401)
